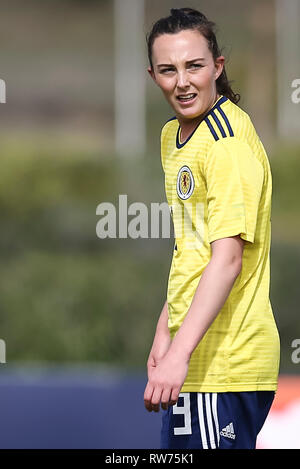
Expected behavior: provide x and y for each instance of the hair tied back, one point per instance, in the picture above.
(184, 12)
(176, 13)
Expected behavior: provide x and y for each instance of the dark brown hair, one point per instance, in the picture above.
(184, 19)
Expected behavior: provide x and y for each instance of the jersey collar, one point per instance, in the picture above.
(218, 103)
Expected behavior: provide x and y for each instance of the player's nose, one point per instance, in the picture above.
(183, 79)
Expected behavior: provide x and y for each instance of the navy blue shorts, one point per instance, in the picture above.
(229, 420)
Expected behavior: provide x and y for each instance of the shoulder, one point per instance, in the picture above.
(167, 138)
(233, 157)
(229, 124)
(227, 119)
(229, 146)
(169, 126)
(243, 127)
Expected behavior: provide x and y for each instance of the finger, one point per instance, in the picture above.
(147, 397)
(165, 398)
(156, 398)
(174, 396)
(172, 402)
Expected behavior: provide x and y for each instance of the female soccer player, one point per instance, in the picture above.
(213, 366)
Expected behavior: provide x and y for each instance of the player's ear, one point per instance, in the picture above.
(219, 64)
(151, 73)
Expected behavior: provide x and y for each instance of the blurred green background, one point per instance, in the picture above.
(65, 295)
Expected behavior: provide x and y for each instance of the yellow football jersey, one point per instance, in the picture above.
(218, 184)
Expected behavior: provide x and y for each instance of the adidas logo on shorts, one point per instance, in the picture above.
(228, 431)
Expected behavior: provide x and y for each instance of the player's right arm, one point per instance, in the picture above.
(161, 342)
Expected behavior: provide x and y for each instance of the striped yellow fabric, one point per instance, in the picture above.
(218, 184)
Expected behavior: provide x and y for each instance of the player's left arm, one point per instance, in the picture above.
(212, 291)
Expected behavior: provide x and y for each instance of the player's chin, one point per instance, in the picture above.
(188, 113)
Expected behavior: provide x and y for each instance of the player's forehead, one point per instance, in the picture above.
(182, 46)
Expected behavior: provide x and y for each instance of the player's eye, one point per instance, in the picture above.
(195, 66)
(167, 70)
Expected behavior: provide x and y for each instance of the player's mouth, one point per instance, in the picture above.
(188, 98)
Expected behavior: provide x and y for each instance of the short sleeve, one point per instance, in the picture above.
(234, 180)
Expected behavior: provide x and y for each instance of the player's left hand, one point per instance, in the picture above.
(165, 383)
